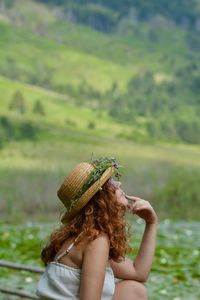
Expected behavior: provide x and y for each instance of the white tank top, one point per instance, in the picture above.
(62, 282)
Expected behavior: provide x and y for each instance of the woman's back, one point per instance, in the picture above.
(74, 258)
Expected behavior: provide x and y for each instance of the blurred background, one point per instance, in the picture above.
(83, 79)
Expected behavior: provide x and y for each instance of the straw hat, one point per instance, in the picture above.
(83, 182)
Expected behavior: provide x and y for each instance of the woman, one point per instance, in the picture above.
(88, 251)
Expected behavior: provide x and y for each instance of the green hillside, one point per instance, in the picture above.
(40, 61)
(60, 113)
(149, 72)
(108, 15)
(84, 55)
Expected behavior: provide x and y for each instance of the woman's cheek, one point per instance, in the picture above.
(125, 201)
(118, 196)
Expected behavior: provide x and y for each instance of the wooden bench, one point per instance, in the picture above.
(22, 294)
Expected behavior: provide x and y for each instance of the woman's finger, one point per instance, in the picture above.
(133, 198)
(142, 208)
(132, 206)
(135, 207)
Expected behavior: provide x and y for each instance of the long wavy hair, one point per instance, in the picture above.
(102, 214)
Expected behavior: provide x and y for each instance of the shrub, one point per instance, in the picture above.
(18, 103)
(12, 130)
(71, 123)
(28, 131)
(38, 108)
(91, 125)
(180, 195)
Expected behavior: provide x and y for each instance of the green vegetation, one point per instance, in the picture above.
(38, 108)
(147, 101)
(142, 72)
(17, 103)
(107, 15)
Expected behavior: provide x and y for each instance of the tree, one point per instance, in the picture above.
(38, 108)
(18, 103)
(91, 125)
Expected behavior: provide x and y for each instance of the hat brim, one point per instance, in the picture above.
(85, 198)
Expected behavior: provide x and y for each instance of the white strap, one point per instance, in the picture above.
(68, 249)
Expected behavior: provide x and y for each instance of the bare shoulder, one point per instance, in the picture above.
(101, 243)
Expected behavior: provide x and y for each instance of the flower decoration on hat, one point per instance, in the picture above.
(100, 166)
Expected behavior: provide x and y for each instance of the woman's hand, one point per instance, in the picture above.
(142, 208)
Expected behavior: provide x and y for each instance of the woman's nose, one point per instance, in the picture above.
(119, 183)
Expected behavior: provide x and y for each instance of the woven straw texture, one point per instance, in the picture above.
(74, 182)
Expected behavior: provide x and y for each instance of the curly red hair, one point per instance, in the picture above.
(102, 214)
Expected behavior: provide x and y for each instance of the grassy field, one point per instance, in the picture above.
(175, 270)
(31, 173)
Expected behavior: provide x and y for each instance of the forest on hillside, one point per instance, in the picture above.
(107, 15)
(165, 90)
(144, 98)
